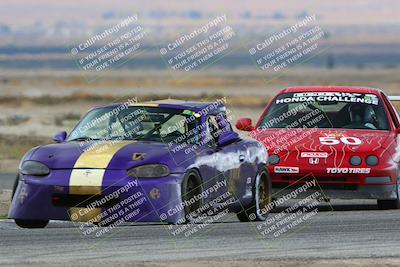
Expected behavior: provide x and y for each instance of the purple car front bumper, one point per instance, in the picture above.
(131, 200)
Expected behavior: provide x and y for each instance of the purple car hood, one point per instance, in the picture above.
(111, 155)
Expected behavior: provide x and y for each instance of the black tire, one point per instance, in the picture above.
(31, 223)
(15, 186)
(262, 197)
(27, 223)
(389, 204)
(102, 224)
(191, 186)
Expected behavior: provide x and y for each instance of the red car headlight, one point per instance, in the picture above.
(273, 159)
(372, 160)
(355, 160)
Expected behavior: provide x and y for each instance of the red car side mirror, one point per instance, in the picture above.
(244, 124)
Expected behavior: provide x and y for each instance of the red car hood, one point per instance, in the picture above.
(323, 140)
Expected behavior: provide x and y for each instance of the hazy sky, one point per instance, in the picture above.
(22, 12)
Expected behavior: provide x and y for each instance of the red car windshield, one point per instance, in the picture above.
(326, 110)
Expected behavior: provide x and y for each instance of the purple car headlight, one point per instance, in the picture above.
(36, 168)
(149, 171)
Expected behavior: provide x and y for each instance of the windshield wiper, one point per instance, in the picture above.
(84, 138)
(137, 138)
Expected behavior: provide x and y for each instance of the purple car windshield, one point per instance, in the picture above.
(137, 123)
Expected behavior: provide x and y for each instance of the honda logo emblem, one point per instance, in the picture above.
(313, 161)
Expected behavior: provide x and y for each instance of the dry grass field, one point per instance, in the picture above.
(35, 105)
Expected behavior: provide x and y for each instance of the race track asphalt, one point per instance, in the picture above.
(349, 232)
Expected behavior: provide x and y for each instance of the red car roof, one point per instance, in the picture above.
(349, 89)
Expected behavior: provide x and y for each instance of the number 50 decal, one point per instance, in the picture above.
(331, 141)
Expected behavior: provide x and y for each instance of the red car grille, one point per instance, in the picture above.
(319, 179)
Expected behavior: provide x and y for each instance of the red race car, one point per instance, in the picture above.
(345, 137)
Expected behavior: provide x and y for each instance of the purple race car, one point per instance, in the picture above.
(165, 161)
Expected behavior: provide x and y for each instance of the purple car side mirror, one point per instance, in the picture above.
(227, 138)
(60, 137)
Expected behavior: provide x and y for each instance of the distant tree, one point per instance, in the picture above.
(278, 15)
(4, 29)
(194, 14)
(360, 66)
(246, 15)
(390, 66)
(108, 15)
(302, 14)
(330, 62)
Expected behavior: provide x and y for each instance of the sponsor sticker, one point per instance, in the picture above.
(348, 170)
(330, 97)
(314, 155)
(313, 161)
(281, 169)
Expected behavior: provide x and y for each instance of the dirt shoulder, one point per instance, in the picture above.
(5, 196)
(282, 263)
